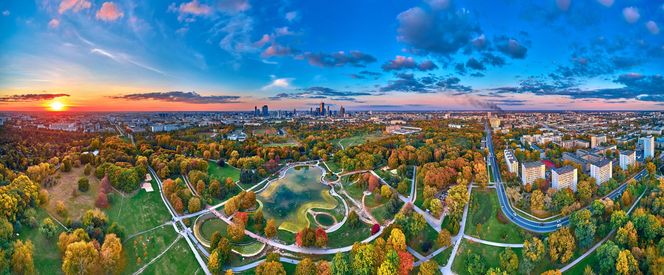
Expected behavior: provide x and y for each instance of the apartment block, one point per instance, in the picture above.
(531, 171)
(627, 158)
(564, 177)
(511, 161)
(601, 171)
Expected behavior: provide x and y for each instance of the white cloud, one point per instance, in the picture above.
(54, 23)
(6, 13)
(631, 14)
(292, 15)
(74, 5)
(652, 27)
(278, 83)
(109, 12)
(606, 3)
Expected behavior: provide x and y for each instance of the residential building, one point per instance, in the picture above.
(601, 171)
(597, 140)
(511, 161)
(564, 177)
(648, 146)
(531, 171)
(627, 158)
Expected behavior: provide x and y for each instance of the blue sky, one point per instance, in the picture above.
(435, 54)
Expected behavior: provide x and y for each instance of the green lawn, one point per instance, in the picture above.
(426, 237)
(591, 261)
(482, 217)
(221, 173)
(177, 260)
(358, 139)
(149, 245)
(138, 212)
(443, 256)
(346, 235)
(46, 255)
(489, 255)
(419, 189)
(208, 227)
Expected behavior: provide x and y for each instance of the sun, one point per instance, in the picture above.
(57, 106)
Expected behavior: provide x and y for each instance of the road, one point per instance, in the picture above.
(510, 212)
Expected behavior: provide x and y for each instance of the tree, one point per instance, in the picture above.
(385, 191)
(428, 268)
(627, 236)
(48, 228)
(236, 231)
(475, 265)
(323, 267)
(194, 205)
(406, 262)
(585, 190)
(340, 264)
(249, 200)
(270, 229)
(537, 200)
(6, 230)
(373, 182)
(457, 198)
(584, 227)
(444, 238)
(65, 239)
(83, 184)
(80, 258)
(509, 261)
(102, 200)
(397, 240)
(389, 265)
(533, 252)
(213, 263)
(417, 224)
(214, 241)
(436, 207)
(651, 168)
(22, 258)
(608, 252)
(552, 272)
(111, 257)
(305, 237)
(270, 268)
(561, 245)
(200, 186)
(626, 264)
(618, 219)
(363, 262)
(305, 267)
(321, 237)
(354, 219)
(215, 188)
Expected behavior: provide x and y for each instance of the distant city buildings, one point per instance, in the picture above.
(647, 144)
(265, 111)
(601, 170)
(531, 171)
(597, 140)
(511, 161)
(564, 177)
(627, 158)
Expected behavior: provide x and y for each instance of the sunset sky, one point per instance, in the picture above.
(132, 55)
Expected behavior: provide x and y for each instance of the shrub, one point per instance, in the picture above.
(83, 184)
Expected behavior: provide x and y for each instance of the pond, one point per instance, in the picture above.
(286, 200)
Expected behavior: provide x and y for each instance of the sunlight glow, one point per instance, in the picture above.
(57, 106)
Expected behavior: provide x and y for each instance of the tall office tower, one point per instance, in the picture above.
(342, 111)
(256, 113)
(311, 111)
(328, 111)
(648, 144)
(322, 109)
(266, 112)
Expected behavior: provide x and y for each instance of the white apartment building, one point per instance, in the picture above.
(627, 158)
(564, 177)
(511, 161)
(648, 146)
(531, 171)
(601, 171)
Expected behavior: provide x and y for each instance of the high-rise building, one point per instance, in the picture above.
(328, 111)
(256, 112)
(564, 177)
(512, 162)
(265, 110)
(597, 140)
(627, 158)
(342, 111)
(531, 171)
(322, 109)
(601, 171)
(648, 146)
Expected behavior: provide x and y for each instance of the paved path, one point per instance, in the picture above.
(256, 263)
(471, 238)
(155, 258)
(456, 240)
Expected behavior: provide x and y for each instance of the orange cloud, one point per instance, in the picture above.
(109, 12)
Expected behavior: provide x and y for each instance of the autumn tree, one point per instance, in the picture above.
(428, 268)
(102, 200)
(406, 262)
(627, 235)
(270, 228)
(373, 182)
(111, 257)
(397, 240)
(323, 267)
(626, 263)
(270, 268)
(509, 261)
(21, 261)
(194, 205)
(457, 198)
(444, 238)
(340, 264)
(80, 258)
(561, 245)
(584, 227)
(236, 231)
(533, 252)
(537, 200)
(305, 267)
(363, 262)
(321, 237)
(48, 228)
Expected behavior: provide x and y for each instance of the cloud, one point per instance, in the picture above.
(319, 92)
(339, 59)
(278, 83)
(54, 23)
(631, 14)
(277, 50)
(606, 3)
(109, 12)
(652, 27)
(234, 6)
(187, 10)
(74, 5)
(510, 47)
(439, 31)
(124, 59)
(438, 4)
(30, 97)
(5, 13)
(407, 82)
(563, 5)
(475, 65)
(291, 15)
(179, 96)
(237, 35)
(366, 74)
(402, 62)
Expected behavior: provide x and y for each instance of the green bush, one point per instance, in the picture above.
(83, 184)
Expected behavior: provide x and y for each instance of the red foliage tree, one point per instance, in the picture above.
(241, 217)
(321, 237)
(373, 183)
(405, 262)
(102, 200)
(375, 228)
(105, 185)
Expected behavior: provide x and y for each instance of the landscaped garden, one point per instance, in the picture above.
(484, 219)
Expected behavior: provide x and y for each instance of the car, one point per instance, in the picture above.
(558, 225)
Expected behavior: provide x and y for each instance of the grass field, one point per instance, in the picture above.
(358, 139)
(426, 237)
(177, 260)
(444, 256)
(346, 235)
(209, 226)
(138, 212)
(591, 261)
(221, 173)
(64, 191)
(489, 255)
(482, 216)
(149, 245)
(46, 255)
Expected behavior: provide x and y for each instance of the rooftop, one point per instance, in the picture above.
(532, 164)
(564, 170)
(602, 162)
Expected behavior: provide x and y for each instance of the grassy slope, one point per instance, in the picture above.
(484, 208)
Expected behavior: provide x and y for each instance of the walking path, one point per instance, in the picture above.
(471, 238)
(139, 271)
(447, 269)
(148, 230)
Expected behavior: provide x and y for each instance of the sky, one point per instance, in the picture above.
(229, 55)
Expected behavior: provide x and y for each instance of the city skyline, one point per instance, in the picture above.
(232, 55)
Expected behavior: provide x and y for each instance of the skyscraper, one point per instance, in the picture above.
(342, 111)
(266, 112)
(648, 144)
(256, 113)
(322, 109)
(328, 111)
